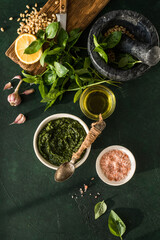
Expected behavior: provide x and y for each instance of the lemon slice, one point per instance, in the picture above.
(22, 42)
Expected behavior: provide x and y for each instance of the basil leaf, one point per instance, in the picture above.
(74, 34)
(104, 45)
(34, 46)
(81, 71)
(99, 209)
(77, 95)
(29, 80)
(52, 29)
(27, 75)
(127, 61)
(61, 71)
(50, 59)
(49, 77)
(123, 62)
(78, 81)
(99, 49)
(102, 53)
(51, 98)
(62, 38)
(86, 79)
(42, 89)
(113, 39)
(95, 41)
(55, 51)
(116, 225)
(44, 54)
(40, 34)
(87, 62)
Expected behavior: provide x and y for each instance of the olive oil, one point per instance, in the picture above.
(96, 100)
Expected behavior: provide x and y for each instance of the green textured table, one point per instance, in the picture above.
(32, 205)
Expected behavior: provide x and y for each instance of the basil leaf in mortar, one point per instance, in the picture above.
(127, 61)
(101, 53)
(113, 39)
(116, 225)
(99, 49)
(99, 209)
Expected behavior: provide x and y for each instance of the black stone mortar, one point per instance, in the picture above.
(143, 31)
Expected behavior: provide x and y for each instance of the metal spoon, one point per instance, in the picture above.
(67, 169)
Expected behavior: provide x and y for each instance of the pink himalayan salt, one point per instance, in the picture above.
(115, 165)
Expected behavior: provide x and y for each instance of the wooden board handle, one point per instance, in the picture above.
(63, 6)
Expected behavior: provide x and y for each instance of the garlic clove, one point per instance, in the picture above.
(19, 119)
(29, 91)
(17, 77)
(8, 86)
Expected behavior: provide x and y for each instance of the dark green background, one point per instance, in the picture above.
(32, 205)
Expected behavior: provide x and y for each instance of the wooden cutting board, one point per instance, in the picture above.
(80, 13)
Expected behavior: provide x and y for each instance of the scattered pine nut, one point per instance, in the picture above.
(11, 18)
(56, 2)
(35, 4)
(18, 19)
(2, 29)
(27, 6)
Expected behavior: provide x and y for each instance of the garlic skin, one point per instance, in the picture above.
(19, 119)
(8, 86)
(17, 77)
(14, 99)
(29, 91)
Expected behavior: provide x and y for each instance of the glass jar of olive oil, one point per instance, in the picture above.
(97, 99)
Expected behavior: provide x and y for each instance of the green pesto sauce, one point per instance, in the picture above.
(59, 139)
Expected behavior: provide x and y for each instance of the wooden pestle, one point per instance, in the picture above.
(142, 51)
(94, 132)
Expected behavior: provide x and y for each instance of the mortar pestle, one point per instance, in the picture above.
(145, 47)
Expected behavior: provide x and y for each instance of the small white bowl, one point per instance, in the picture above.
(130, 173)
(41, 126)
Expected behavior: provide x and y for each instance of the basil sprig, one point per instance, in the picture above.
(127, 61)
(68, 67)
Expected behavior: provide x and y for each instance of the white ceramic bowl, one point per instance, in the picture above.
(130, 173)
(41, 126)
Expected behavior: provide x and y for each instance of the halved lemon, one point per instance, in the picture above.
(22, 42)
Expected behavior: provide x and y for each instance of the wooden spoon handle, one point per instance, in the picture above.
(94, 132)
